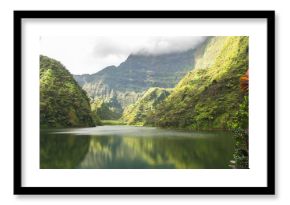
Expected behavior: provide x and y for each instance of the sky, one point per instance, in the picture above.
(90, 54)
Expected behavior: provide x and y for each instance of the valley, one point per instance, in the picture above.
(200, 89)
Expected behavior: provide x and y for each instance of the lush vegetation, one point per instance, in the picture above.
(62, 102)
(201, 89)
(107, 110)
(240, 127)
(207, 97)
(141, 112)
(113, 122)
(127, 82)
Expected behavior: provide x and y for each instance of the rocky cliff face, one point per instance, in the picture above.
(130, 79)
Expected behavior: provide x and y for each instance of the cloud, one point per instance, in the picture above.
(163, 45)
(90, 54)
(144, 45)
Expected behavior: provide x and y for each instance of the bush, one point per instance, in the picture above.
(239, 127)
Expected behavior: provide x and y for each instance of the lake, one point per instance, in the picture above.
(130, 147)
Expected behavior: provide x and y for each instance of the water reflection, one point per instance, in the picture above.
(62, 151)
(121, 147)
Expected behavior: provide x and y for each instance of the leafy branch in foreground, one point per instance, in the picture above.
(240, 129)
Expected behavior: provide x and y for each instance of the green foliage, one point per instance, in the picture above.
(142, 111)
(107, 110)
(241, 117)
(113, 122)
(241, 153)
(136, 74)
(62, 102)
(208, 96)
(239, 126)
(96, 118)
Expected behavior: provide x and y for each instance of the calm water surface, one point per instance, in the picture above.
(129, 147)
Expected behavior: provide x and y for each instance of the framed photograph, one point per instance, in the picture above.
(144, 102)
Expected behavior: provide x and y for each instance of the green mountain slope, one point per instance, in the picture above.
(62, 102)
(141, 111)
(107, 110)
(207, 97)
(137, 73)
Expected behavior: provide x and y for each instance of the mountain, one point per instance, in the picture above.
(107, 110)
(130, 79)
(209, 95)
(62, 101)
(141, 111)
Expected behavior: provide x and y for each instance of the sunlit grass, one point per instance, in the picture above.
(112, 122)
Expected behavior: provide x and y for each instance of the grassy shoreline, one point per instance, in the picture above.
(112, 122)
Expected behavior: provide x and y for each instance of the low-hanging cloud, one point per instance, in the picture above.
(89, 54)
(124, 46)
(163, 45)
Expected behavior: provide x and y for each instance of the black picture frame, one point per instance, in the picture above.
(268, 190)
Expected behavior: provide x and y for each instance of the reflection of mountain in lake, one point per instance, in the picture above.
(62, 151)
(126, 147)
(206, 150)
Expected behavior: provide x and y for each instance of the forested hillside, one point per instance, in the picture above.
(62, 102)
(141, 111)
(107, 110)
(200, 94)
(207, 97)
(130, 79)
